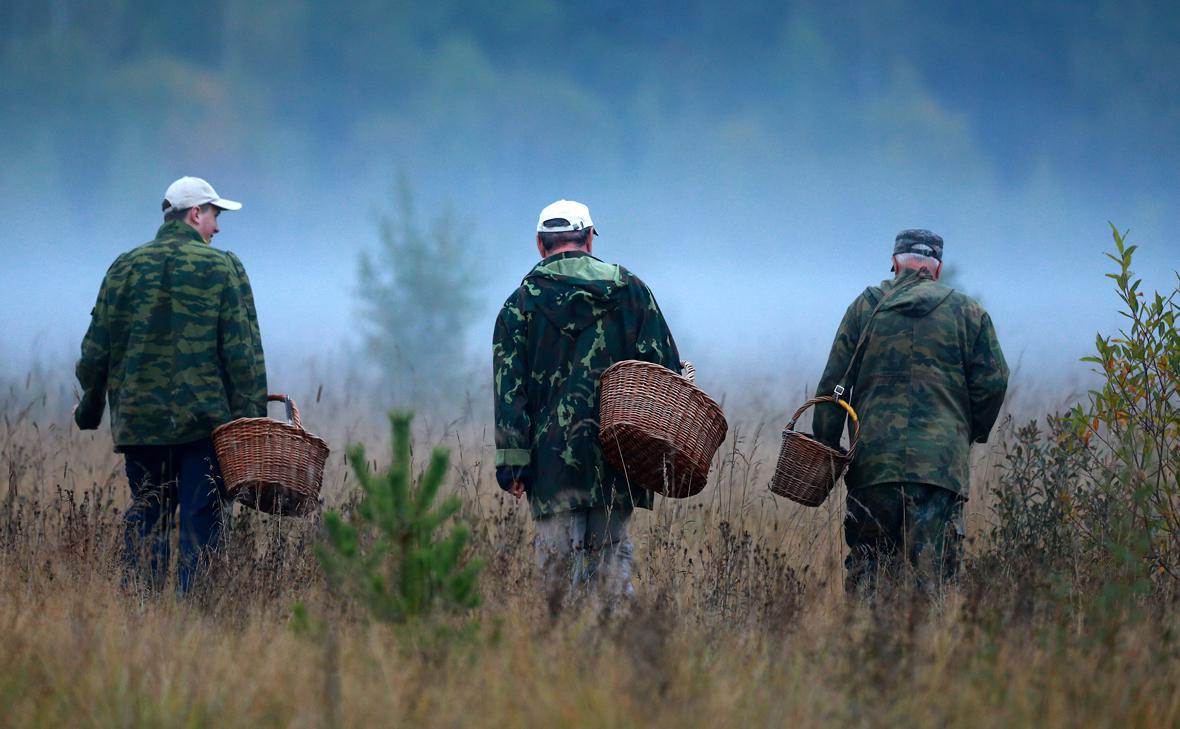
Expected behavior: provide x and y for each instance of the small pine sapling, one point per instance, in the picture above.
(396, 554)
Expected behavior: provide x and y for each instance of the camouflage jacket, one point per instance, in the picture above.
(931, 381)
(173, 343)
(572, 317)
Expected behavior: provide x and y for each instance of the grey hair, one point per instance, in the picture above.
(915, 261)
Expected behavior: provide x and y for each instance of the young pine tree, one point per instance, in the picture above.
(397, 554)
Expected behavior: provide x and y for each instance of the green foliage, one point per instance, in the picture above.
(1060, 543)
(304, 624)
(1038, 492)
(1133, 420)
(418, 297)
(1089, 505)
(396, 555)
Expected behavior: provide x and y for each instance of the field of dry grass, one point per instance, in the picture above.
(740, 619)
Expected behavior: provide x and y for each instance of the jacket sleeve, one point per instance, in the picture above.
(94, 366)
(240, 346)
(653, 338)
(987, 381)
(828, 420)
(514, 429)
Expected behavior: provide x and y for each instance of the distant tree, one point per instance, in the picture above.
(418, 298)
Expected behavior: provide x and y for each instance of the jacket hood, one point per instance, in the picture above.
(919, 294)
(179, 229)
(573, 290)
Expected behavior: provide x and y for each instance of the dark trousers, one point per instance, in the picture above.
(891, 528)
(164, 479)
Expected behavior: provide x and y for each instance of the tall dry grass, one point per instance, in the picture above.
(740, 619)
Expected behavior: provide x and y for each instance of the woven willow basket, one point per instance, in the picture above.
(808, 470)
(658, 428)
(270, 465)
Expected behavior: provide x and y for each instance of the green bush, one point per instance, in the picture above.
(1132, 422)
(1039, 490)
(1086, 506)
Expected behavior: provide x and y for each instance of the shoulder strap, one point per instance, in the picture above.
(857, 354)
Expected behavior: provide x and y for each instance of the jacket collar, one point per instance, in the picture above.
(561, 257)
(906, 277)
(174, 229)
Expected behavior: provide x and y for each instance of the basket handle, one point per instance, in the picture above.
(690, 372)
(842, 403)
(292, 410)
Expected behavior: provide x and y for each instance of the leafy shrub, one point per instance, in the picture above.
(1088, 505)
(1133, 424)
(1040, 485)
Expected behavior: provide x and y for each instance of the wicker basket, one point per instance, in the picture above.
(807, 470)
(658, 428)
(271, 465)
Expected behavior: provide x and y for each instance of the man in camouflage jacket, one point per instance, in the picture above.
(571, 318)
(174, 347)
(930, 382)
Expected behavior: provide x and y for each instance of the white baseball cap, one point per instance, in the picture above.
(190, 192)
(565, 215)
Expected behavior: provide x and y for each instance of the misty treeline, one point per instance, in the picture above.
(289, 92)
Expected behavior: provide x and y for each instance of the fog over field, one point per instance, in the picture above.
(751, 161)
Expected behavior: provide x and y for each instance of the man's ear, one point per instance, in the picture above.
(540, 246)
(938, 270)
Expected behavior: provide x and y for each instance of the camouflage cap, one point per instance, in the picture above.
(920, 241)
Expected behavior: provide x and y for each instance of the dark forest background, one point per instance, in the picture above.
(492, 85)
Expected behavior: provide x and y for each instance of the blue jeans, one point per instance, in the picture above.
(162, 479)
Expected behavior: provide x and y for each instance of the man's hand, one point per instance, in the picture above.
(513, 479)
